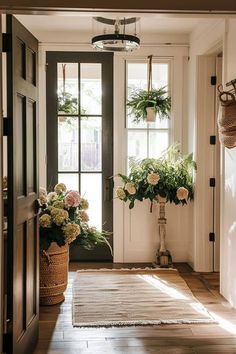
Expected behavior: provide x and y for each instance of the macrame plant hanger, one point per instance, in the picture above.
(151, 114)
(63, 94)
(149, 73)
(63, 80)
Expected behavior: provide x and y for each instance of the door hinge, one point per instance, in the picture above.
(46, 67)
(6, 42)
(213, 80)
(212, 140)
(6, 128)
(212, 182)
(212, 237)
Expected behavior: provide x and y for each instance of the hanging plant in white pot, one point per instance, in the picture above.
(147, 104)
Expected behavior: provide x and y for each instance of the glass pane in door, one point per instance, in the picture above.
(68, 143)
(91, 189)
(91, 143)
(91, 88)
(67, 88)
(71, 180)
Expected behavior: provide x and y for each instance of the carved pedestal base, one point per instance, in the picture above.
(164, 259)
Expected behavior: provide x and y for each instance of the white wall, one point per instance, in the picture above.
(228, 236)
(205, 41)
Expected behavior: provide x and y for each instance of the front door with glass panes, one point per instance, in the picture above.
(80, 134)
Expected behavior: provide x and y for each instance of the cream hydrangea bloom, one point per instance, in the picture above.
(84, 204)
(45, 220)
(182, 193)
(153, 178)
(83, 216)
(43, 199)
(59, 204)
(130, 188)
(59, 216)
(42, 192)
(71, 231)
(60, 188)
(52, 196)
(120, 193)
(43, 195)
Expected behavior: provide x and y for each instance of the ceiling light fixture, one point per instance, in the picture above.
(120, 40)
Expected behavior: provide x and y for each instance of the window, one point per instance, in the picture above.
(147, 139)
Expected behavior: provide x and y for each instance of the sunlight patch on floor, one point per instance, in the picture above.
(225, 324)
(158, 284)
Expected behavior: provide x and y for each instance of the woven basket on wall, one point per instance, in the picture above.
(53, 274)
(227, 124)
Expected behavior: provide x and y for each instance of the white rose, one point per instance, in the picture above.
(182, 193)
(153, 178)
(130, 188)
(120, 193)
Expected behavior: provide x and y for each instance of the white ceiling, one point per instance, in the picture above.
(149, 23)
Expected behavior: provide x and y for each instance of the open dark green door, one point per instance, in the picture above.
(22, 238)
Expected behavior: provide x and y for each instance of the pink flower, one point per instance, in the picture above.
(72, 199)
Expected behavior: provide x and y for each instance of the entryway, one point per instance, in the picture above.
(178, 130)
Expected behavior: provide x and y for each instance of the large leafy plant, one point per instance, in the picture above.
(140, 100)
(170, 177)
(63, 219)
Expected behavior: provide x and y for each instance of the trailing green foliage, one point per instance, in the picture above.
(170, 176)
(156, 98)
(67, 103)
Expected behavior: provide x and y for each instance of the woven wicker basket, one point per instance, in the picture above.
(53, 274)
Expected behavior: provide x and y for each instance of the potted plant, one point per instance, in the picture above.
(63, 220)
(144, 104)
(167, 179)
(67, 104)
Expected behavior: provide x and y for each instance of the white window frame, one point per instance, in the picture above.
(162, 60)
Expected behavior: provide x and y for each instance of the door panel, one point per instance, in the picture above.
(80, 139)
(22, 239)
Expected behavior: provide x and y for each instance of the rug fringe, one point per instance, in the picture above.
(141, 323)
(126, 269)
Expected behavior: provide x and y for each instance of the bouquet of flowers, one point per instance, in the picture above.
(63, 219)
(170, 177)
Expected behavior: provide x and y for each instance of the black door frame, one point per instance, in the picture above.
(106, 59)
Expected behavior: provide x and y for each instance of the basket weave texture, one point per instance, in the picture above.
(227, 125)
(53, 274)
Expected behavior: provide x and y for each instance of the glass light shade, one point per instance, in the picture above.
(116, 42)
